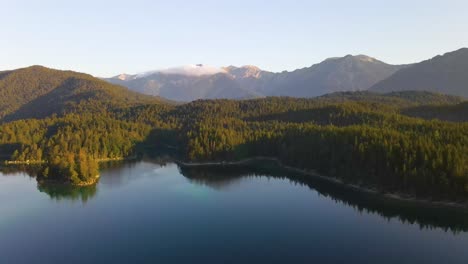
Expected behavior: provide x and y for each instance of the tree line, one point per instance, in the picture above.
(369, 142)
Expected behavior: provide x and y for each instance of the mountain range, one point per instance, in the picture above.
(443, 74)
(188, 83)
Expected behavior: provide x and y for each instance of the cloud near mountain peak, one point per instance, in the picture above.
(189, 70)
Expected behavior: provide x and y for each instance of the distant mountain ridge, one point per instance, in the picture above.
(188, 83)
(349, 73)
(181, 87)
(447, 74)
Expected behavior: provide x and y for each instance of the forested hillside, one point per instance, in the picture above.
(449, 112)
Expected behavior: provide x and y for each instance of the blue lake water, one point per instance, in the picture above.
(145, 212)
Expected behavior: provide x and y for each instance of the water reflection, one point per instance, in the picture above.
(66, 192)
(426, 216)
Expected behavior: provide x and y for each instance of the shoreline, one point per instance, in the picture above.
(82, 184)
(21, 162)
(368, 190)
(30, 162)
(359, 188)
(88, 183)
(116, 159)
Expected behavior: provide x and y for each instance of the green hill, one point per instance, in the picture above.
(37, 92)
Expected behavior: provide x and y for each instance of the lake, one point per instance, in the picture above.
(154, 212)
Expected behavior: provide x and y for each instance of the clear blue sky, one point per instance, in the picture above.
(109, 37)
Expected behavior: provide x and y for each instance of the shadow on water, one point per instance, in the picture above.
(426, 216)
(14, 169)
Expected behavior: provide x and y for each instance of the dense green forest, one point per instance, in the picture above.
(390, 142)
(361, 142)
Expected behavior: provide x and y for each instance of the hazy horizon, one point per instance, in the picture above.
(113, 37)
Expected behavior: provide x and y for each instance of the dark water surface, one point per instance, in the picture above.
(143, 212)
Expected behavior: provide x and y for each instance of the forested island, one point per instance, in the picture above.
(403, 142)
